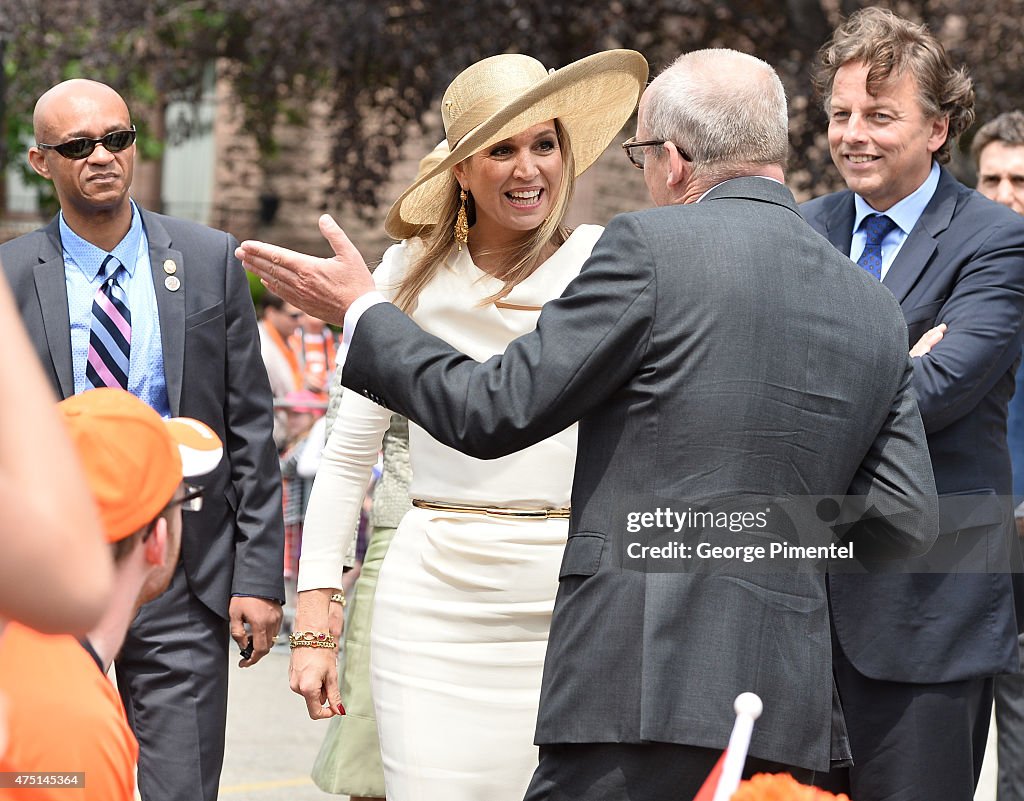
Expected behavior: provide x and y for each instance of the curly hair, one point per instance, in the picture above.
(891, 46)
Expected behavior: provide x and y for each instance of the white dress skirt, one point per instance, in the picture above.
(459, 633)
(463, 602)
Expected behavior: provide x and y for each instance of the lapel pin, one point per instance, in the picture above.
(170, 268)
(172, 283)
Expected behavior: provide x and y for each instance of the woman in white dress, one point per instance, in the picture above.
(465, 592)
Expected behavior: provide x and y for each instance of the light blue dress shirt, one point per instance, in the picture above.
(905, 214)
(82, 262)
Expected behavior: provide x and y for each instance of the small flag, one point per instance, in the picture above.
(725, 776)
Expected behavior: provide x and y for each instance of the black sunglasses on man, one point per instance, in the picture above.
(75, 149)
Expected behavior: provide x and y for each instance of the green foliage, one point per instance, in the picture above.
(382, 64)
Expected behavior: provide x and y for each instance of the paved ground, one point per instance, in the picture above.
(271, 742)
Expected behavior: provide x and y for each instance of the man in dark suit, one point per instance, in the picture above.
(188, 328)
(998, 151)
(707, 359)
(917, 653)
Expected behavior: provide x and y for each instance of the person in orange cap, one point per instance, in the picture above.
(64, 713)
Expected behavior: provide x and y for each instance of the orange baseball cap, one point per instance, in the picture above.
(133, 459)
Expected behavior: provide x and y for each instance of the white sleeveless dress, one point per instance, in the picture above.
(463, 602)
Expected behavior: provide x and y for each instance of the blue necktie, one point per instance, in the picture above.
(876, 227)
(110, 332)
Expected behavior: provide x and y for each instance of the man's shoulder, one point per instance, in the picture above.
(654, 228)
(974, 209)
(24, 648)
(183, 232)
(25, 248)
(656, 216)
(825, 204)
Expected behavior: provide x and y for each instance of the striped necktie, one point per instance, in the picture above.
(110, 332)
(876, 228)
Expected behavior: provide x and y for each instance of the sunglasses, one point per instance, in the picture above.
(113, 142)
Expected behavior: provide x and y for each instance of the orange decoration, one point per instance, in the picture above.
(781, 787)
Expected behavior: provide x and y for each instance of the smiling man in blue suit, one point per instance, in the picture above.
(916, 654)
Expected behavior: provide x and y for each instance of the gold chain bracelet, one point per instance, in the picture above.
(311, 639)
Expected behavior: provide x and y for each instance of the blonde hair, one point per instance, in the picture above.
(438, 240)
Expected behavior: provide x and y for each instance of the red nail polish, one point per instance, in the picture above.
(341, 709)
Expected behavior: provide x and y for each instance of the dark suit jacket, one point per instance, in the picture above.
(1015, 437)
(214, 373)
(706, 351)
(963, 265)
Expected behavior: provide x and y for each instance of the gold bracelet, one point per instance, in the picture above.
(311, 639)
(339, 598)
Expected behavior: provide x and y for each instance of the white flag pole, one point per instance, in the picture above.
(748, 708)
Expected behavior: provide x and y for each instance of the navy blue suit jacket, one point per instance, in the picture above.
(962, 265)
(1015, 438)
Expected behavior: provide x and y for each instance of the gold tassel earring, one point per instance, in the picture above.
(461, 223)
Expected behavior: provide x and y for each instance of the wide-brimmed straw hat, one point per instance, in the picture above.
(504, 95)
(427, 164)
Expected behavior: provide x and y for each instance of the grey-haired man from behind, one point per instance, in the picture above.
(694, 348)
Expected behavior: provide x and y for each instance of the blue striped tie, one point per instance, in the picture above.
(110, 332)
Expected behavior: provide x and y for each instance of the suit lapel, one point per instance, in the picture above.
(839, 224)
(170, 305)
(52, 292)
(917, 251)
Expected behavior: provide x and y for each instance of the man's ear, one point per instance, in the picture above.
(679, 168)
(156, 545)
(37, 161)
(939, 133)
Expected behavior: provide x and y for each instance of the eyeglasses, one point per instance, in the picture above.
(638, 157)
(75, 149)
(191, 501)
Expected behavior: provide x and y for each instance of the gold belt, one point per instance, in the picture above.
(493, 511)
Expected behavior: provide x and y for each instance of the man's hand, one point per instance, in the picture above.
(263, 619)
(929, 339)
(324, 288)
